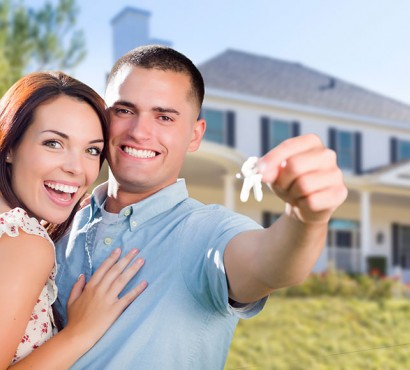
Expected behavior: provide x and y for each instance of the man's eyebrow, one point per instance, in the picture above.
(125, 104)
(130, 105)
(165, 110)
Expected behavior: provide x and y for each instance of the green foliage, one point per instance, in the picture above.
(37, 39)
(324, 333)
(338, 283)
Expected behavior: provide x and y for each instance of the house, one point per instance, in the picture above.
(253, 102)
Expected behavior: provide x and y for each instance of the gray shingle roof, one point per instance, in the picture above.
(250, 74)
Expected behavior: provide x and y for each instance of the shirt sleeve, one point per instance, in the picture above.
(210, 230)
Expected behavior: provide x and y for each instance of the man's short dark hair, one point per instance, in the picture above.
(164, 59)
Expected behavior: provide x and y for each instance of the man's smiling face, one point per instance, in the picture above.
(153, 125)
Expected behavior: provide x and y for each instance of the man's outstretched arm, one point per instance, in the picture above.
(304, 173)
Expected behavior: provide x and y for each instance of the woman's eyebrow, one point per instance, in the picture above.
(65, 136)
(62, 134)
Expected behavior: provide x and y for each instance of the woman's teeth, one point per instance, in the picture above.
(61, 187)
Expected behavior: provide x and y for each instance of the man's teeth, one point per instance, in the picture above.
(139, 153)
(61, 187)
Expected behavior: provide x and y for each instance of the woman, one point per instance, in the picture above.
(52, 134)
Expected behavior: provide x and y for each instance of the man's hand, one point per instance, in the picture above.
(304, 173)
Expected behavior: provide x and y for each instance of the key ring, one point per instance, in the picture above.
(251, 179)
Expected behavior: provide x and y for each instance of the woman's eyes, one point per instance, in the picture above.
(94, 151)
(54, 144)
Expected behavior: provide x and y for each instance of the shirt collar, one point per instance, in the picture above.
(146, 209)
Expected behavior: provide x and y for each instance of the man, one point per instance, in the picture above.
(206, 266)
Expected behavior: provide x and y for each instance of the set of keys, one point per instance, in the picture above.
(251, 179)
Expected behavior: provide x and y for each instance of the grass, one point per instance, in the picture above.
(324, 333)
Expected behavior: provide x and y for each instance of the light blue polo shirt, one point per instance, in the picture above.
(183, 319)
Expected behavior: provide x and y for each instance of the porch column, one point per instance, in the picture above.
(365, 228)
(229, 191)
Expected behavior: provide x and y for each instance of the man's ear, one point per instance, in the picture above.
(197, 134)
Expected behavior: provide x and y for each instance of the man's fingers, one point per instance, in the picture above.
(271, 164)
(314, 182)
(85, 200)
(317, 207)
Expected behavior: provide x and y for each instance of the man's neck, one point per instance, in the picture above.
(116, 202)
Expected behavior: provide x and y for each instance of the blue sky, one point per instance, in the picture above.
(365, 42)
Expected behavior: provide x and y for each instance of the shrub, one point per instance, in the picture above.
(334, 282)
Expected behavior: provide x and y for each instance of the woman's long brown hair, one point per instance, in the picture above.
(17, 108)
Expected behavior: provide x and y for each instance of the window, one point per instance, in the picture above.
(345, 149)
(403, 150)
(401, 245)
(220, 126)
(274, 131)
(343, 233)
(279, 131)
(347, 146)
(268, 218)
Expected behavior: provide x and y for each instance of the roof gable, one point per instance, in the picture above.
(266, 77)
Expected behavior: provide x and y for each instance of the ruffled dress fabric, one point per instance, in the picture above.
(41, 326)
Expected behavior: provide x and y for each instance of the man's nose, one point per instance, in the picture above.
(141, 127)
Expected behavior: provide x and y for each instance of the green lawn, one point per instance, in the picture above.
(324, 333)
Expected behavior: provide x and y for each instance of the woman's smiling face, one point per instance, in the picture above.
(57, 158)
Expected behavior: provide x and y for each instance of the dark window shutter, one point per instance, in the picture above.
(395, 243)
(332, 139)
(393, 150)
(358, 153)
(230, 129)
(265, 145)
(295, 129)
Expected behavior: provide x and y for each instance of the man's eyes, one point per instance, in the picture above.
(121, 111)
(165, 118)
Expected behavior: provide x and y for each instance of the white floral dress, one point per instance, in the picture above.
(41, 326)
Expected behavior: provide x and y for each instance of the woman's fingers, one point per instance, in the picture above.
(111, 268)
(119, 283)
(113, 275)
(128, 298)
(105, 266)
(77, 289)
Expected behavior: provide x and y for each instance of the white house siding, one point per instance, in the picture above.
(388, 204)
(300, 92)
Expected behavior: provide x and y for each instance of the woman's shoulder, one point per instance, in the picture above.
(24, 241)
(16, 219)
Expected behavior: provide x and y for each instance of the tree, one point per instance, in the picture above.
(33, 39)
